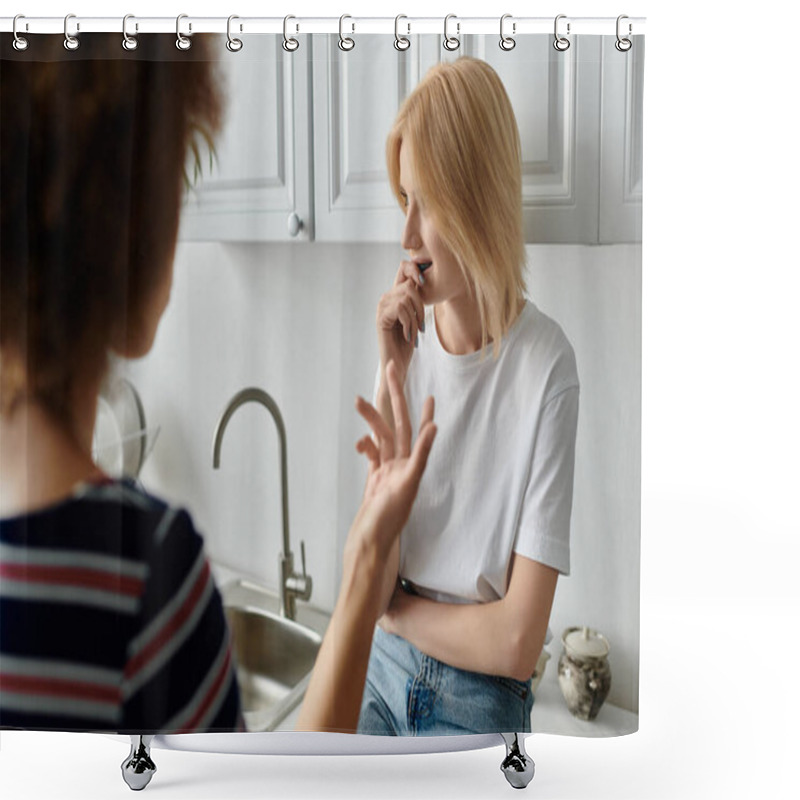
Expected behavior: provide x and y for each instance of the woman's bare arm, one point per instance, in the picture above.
(333, 698)
(504, 637)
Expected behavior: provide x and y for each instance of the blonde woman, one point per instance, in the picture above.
(489, 534)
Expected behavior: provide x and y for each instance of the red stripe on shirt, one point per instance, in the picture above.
(82, 577)
(210, 696)
(59, 687)
(149, 652)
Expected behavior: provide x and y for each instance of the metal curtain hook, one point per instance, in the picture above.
(623, 44)
(182, 42)
(345, 42)
(234, 45)
(128, 42)
(451, 42)
(401, 42)
(70, 42)
(290, 44)
(20, 42)
(561, 43)
(507, 42)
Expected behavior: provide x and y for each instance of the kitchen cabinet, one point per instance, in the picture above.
(296, 152)
(556, 99)
(621, 136)
(352, 197)
(259, 186)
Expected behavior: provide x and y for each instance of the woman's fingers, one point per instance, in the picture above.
(427, 412)
(419, 455)
(366, 446)
(408, 270)
(382, 431)
(402, 423)
(408, 321)
(402, 307)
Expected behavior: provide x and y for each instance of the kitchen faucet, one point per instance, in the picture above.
(292, 584)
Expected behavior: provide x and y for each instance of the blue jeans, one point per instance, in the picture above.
(408, 693)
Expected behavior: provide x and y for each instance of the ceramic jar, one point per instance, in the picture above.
(583, 671)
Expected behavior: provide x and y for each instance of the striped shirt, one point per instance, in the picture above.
(110, 619)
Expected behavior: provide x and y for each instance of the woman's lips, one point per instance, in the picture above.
(423, 265)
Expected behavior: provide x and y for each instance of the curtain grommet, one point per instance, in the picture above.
(560, 43)
(401, 43)
(71, 42)
(182, 42)
(623, 43)
(20, 43)
(128, 42)
(234, 45)
(451, 43)
(346, 43)
(507, 42)
(290, 44)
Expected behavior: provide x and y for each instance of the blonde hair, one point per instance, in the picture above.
(466, 158)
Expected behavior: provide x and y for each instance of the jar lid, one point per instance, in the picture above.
(585, 642)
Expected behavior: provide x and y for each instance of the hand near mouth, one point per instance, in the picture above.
(399, 320)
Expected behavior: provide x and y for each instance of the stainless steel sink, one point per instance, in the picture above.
(274, 658)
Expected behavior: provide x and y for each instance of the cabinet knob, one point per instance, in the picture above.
(294, 224)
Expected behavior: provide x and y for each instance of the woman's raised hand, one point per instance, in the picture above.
(395, 468)
(400, 317)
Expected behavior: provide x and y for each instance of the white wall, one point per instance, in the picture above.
(595, 294)
(298, 321)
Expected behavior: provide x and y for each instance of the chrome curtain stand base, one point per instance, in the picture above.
(517, 766)
(138, 768)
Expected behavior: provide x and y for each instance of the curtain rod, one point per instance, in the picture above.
(630, 26)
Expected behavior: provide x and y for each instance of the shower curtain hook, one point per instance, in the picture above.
(71, 42)
(290, 44)
(623, 44)
(345, 42)
(20, 42)
(507, 42)
(234, 45)
(451, 42)
(182, 42)
(128, 42)
(401, 42)
(561, 43)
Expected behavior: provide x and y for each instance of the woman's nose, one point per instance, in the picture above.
(411, 237)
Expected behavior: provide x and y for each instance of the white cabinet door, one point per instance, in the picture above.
(556, 99)
(621, 157)
(261, 171)
(356, 97)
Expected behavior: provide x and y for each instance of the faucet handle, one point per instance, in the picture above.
(303, 557)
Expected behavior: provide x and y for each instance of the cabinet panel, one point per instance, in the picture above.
(555, 96)
(261, 170)
(356, 98)
(621, 158)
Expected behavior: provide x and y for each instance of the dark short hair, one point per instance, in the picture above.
(94, 146)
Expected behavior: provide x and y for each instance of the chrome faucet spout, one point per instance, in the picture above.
(292, 585)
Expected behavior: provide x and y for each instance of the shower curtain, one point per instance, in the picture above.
(291, 232)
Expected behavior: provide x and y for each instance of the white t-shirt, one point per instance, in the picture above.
(499, 477)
